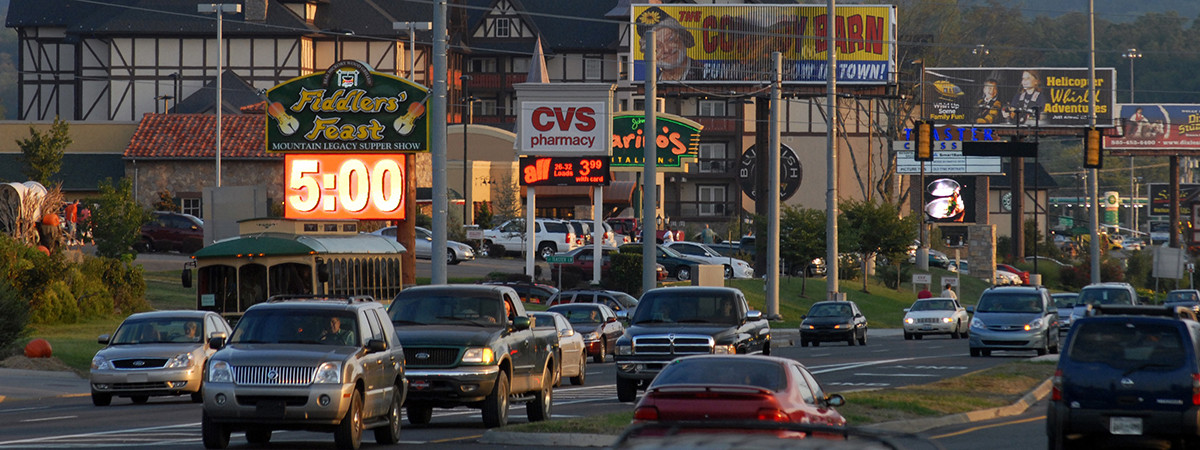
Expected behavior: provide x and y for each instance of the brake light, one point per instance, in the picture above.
(773, 415)
(645, 413)
(569, 238)
(1056, 386)
(1196, 389)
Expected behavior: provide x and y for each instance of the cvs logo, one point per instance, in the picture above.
(545, 118)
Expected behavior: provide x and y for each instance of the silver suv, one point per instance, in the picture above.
(318, 364)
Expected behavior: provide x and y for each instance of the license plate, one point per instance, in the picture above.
(927, 328)
(269, 408)
(1125, 425)
(418, 385)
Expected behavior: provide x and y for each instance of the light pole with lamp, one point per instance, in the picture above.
(922, 254)
(412, 28)
(980, 50)
(470, 115)
(220, 9)
(1132, 54)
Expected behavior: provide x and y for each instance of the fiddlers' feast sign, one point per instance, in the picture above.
(1042, 97)
(677, 138)
(347, 109)
(559, 119)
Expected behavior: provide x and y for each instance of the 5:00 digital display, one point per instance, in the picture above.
(336, 186)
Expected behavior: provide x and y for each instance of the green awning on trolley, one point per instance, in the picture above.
(254, 245)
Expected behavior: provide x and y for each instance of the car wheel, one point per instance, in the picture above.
(451, 258)
(600, 358)
(419, 414)
(214, 435)
(908, 336)
(862, 340)
(197, 397)
(766, 351)
(143, 246)
(816, 343)
(803, 343)
(538, 409)
(850, 340)
(495, 406)
(974, 353)
(139, 399)
(547, 250)
(348, 434)
(1054, 348)
(728, 272)
(985, 352)
(684, 273)
(1045, 345)
(258, 436)
(390, 434)
(558, 372)
(582, 377)
(918, 336)
(626, 390)
(99, 399)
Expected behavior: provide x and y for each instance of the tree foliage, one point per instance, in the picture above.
(43, 152)
(801, 236)
(870, 229)
(118, 220)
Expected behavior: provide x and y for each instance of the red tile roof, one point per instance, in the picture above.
(190, 136)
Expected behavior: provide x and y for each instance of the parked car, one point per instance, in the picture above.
(155, 354)
(624, 305)
(573, 356)
(553, 236)
(1014, 318)
(624, 226)
(1024, 274)
(1189, 298)
(171, 231)
(597, 323)
(1006, 278)
(456, 252)
(1103, 294)
(834, 321)
(734, 268)
(583, 231)
(1065, 302)
(583, 260)
(535, 293)
(936, 316)
(936, 259)
(316, 364)
(763, 388)
(1124, 379)
(678, 266)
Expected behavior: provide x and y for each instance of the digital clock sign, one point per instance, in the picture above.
(337, 186)
(564, 171)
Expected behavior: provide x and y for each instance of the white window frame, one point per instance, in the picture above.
(191, 205)
(485, 107)
(520, 65)
(593, 69)
(712, 108)
(711, 199)
(503, 28)
(713, 157)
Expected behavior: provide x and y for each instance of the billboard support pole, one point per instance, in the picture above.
(773, 190)
(437, 130)
(831, 168)
(649, 168)
(1093, 174)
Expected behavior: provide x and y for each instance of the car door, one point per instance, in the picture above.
(374, 374)
(749, 329)
(424, 244)
(572, 348)
(525, 355)
(818, 410)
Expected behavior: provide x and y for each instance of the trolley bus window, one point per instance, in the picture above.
(291, 278)
(254, 285)
(220, 281)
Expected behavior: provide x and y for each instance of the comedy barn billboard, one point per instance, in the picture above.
(1043, 97)
(733, 43)
(1154, 126)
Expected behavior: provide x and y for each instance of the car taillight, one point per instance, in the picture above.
(773, 415)
(1196, 389)
(569, 237)
(1056, 386)
(645, 413)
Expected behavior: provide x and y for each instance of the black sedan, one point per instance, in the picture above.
(678, 266)
(836, 321)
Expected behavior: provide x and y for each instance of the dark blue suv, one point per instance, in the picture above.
(1126, 376)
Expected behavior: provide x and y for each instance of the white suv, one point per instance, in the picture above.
(552, 235)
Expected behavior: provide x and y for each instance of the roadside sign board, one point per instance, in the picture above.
(475, 234)
(951, 161)
(560, 259)
(922, 278)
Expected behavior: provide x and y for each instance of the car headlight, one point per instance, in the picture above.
(624, 349)
(724, 350)
(1036, 323)
(810, 327)
(976, 323)
(595, 335)
(328, 372)
(909, 320)
(99, 363)
(180, 360)
(946, 320)
(481, 355)
(220, 372)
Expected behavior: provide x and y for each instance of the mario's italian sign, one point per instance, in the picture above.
(347, 109)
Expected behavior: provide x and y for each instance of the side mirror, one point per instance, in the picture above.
(520, 323)
(623, 314)
(566, 333)
(610, 319)
(754, 315)
(906, 309)
(103, 339)
(186, 277)
(835, 400)
(216, 342)
(376, 345)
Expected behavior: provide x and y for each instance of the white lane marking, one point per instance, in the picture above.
(865, 374)
(32, 408)
(45, 419)
(98, 433)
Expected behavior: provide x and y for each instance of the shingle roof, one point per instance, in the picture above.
(236, 94)
(555, 20)
(190, 136)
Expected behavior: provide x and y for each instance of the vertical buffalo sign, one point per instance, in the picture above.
(564, 171)
(678, 139)
(347, 109)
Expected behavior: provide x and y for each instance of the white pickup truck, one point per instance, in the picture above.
(551, 235)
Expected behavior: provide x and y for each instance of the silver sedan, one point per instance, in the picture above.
(456, 252)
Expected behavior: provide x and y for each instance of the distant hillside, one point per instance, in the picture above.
(1110, 10)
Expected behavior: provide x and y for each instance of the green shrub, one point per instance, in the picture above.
(14, 315)
(125, 283)
(888, 274)
(625, 273)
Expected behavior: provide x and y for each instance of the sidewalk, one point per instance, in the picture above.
(19, 384)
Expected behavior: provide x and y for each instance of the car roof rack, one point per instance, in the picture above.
(1178, 312)
(348, 299)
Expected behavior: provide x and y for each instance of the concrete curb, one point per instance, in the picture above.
(920, 425)
(547, 439)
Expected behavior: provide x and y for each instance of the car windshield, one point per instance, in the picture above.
(683, 305)
(1183, 297)
(829, 310)
(1010, 303)
(933, 305)
(158, 331)
(1128, 345)
(580, 314)
(710, 371)
(296, 326)
(670, 252)
(457, 308)
(1064, 301)
(626, 300)
(1104, 297)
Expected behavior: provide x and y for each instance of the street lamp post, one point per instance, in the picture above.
(412, 28)
(1132, 54)
(220, 9)
(980, 50)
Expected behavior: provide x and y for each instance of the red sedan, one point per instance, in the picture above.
(738, 387)
(1024, 274)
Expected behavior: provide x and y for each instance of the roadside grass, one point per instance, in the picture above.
(989, 388)
(164, 290)
(75, 344)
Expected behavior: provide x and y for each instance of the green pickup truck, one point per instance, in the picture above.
(472, 345)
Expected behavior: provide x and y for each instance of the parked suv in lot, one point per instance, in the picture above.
(171, 231)
(317, 364)
(1126, 376)
(552, 236)
(1014, 318)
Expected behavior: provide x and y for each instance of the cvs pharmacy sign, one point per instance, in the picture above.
(548, 128)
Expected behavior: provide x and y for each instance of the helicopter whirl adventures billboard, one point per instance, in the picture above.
(1044, 97)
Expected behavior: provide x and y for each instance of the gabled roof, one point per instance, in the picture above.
(236, 94)
(190, 136)
(563, 25)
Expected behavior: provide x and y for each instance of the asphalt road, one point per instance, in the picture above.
(886, 361)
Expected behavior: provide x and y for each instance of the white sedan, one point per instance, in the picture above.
(1004, 278)
(938, 315)
(456, 252)
(734, 268)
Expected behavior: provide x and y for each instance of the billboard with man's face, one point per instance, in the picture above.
(733, 43)
(1041, 97)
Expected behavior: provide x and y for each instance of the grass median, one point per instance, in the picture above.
(998, 386)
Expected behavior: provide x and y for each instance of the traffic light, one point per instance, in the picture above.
(924, 150)
(1093, 155)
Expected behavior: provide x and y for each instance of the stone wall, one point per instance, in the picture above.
(188, 178)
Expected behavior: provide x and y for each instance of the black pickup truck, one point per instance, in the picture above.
(673, 322)
(472, 345)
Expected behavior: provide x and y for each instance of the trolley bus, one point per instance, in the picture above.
(298, 257)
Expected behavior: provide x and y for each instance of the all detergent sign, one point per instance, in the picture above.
(347, 109)
(563, 127)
